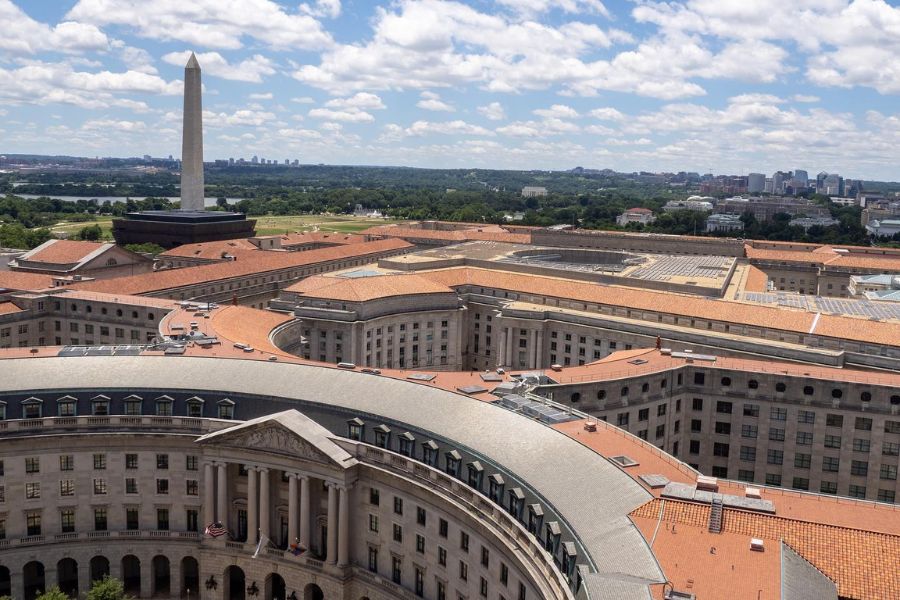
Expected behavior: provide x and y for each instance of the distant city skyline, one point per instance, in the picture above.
(725, 87)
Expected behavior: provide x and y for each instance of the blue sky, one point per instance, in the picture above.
(730, 86)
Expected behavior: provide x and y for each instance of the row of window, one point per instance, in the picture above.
(67, 488)
(34, 520)
(67, 406)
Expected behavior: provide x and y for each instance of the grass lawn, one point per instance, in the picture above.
(269, 225)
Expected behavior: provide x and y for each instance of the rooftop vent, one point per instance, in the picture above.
(710, 484)
(673, 595)
(590, 426)
(637, 361)
(624, 461)
(752, 492)
(757, 545)
(555, 367)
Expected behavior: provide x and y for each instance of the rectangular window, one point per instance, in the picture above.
(398, 533)
(442, 528)
(831, 464)
(100, 487)
(463, 571)
(863, 424)
(420, 516)
(420, 544)
(751, 410)
(723, 427)
(773, 479)
(100, 519)
(463, 541)
(888, 472)
(857, 491)
(192, 519)
(131, 519)
(162, 486)
(806, 416)
(162, 519)
(828, 487)
(67, 487)
(775, 457)
(778, 414)
(33, 523)
(374, 497)
(748, 453)
(191, 487)
(485, 557)
(32, 465)
(373, 559)
(859, 467)
(749, 431)
(723, 407)
(398, 505)
(832, 441)
(32, 490)
(162, 461)
(66, 462)
(802, 461)
(131, 485)
(804, 438)
(860, 445)
(67, 520)
(442, 556)
(99, 462)
(776, 435)
(396, 569)
(720, 449)
(834, 420)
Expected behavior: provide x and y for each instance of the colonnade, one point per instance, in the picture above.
(299, 511)
(506, 355)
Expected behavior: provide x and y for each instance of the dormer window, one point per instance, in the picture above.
(430, 453)
(225, 408)
(407, 444)
(194, 406)
(476, 475)
(516, 502)
(133, 405)
(383, 436)
(32, 408)
(551, 540)
(100, 406)
(569, 556)
(356, 429)
(65, 406)
(164, 406)
(535, 519)
(453, 463)
(495, 488)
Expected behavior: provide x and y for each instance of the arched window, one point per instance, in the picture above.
(601, 394)
(624, 391)
(836, 393)
(663, 383)
(645, 388)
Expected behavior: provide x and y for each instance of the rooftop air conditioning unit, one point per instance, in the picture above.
(590, 426)
(556, 367)
(752, 492)
(757, 545)
(710, 484)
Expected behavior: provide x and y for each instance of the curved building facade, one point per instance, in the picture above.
(322, 483)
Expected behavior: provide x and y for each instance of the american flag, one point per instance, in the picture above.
(215, 529)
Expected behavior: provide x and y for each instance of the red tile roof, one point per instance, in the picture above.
(360, 289)
(248, 264)
(63, 252)
(24, 282)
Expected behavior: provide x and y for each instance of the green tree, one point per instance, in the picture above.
(106, 589)
(145, 248)
(92, 233)
(53, 593)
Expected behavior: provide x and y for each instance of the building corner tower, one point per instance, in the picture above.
(192, 192)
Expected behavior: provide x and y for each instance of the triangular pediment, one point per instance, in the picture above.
(289, 433)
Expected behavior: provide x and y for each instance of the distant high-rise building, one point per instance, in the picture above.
(768, 186)
(254, 160)
(801, 176)
(778, 179)
(820, 181)
(756, 183)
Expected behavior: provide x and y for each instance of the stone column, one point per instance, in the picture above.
(84, 575)
(532, 350)
(292, 508)
(343, 550)
(252, 506)
(510, 346)
(331, 550)
(304, 511)
(539, 349)
(51, 575)
(264, 505)
(146, 577)
(175, 579)
(501, 348)
(222, 495)
(209, 495)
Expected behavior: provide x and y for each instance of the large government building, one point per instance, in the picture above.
(451, 411)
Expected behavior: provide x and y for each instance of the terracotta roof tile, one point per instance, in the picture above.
(360, 289)
(249, 264)
(24, 282)
(8, 308)
(63, 252)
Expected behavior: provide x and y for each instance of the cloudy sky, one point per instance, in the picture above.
(731, 86)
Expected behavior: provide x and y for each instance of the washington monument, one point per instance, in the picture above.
(192, 140)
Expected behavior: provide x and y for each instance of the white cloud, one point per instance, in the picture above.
(300, 134)
(805, 98)
(303, 100)
(493, 111)
(607, 113)
(350, 114)
(24, 35)
(323, 8)
(532, 8)
(557, 111)
(207, 23)
(362, 100)
(114, 125)
(548, 127)
(239, 118)
(251, 69)
(457, 127)
(432, 101)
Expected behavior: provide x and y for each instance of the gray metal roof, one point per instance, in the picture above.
(593, 495)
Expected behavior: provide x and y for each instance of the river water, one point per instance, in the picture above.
(207, 201)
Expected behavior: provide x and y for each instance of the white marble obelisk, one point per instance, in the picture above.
(192, 140)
